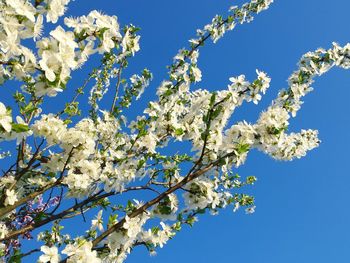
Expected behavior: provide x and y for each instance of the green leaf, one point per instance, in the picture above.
(164, 209)
(179, 131)
(242, 148)
(177, 226)
(216, 112)
(16, 257)
(212, 99)
(28, 108)
(201, 211)
(18, 127)
(251, 179)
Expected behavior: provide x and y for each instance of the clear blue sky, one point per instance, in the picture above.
(303, 210)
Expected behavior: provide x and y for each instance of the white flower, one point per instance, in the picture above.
(255, 97)
(197, 74)
(23, 8)
(164, 235)
(56, 9)
(250, 210)
(38, 27)
(66, 38)
(149, 141)
(3, 230)
(11, 197)
(50, 63)
(132, 225)
(239, 81)
(97, 223)
(81, 253)
(50, 127)
(5, 119)
(130, 43)
(50, 255)
(236, 207)
(265, 80)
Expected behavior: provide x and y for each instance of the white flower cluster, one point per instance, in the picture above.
(158, 237)
(273, 123)
(202, 193)
(189, 115)
(60, 53)
(54, 9)
(121, 242)
(81, 251)
(218, 27)
(167, 208)
(78, 144)
(96, 26)
(21, 20)
(92, 33)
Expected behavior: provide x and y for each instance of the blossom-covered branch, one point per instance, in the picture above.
(79, 161)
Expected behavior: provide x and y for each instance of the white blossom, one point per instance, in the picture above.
(81, 253)
(50, 255)
(11, 197)
(5, 118)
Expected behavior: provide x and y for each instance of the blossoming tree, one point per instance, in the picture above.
(64, 163)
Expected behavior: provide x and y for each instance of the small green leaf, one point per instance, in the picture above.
(179, 131)
(18, 127)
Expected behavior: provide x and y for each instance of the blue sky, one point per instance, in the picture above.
(302, 210)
